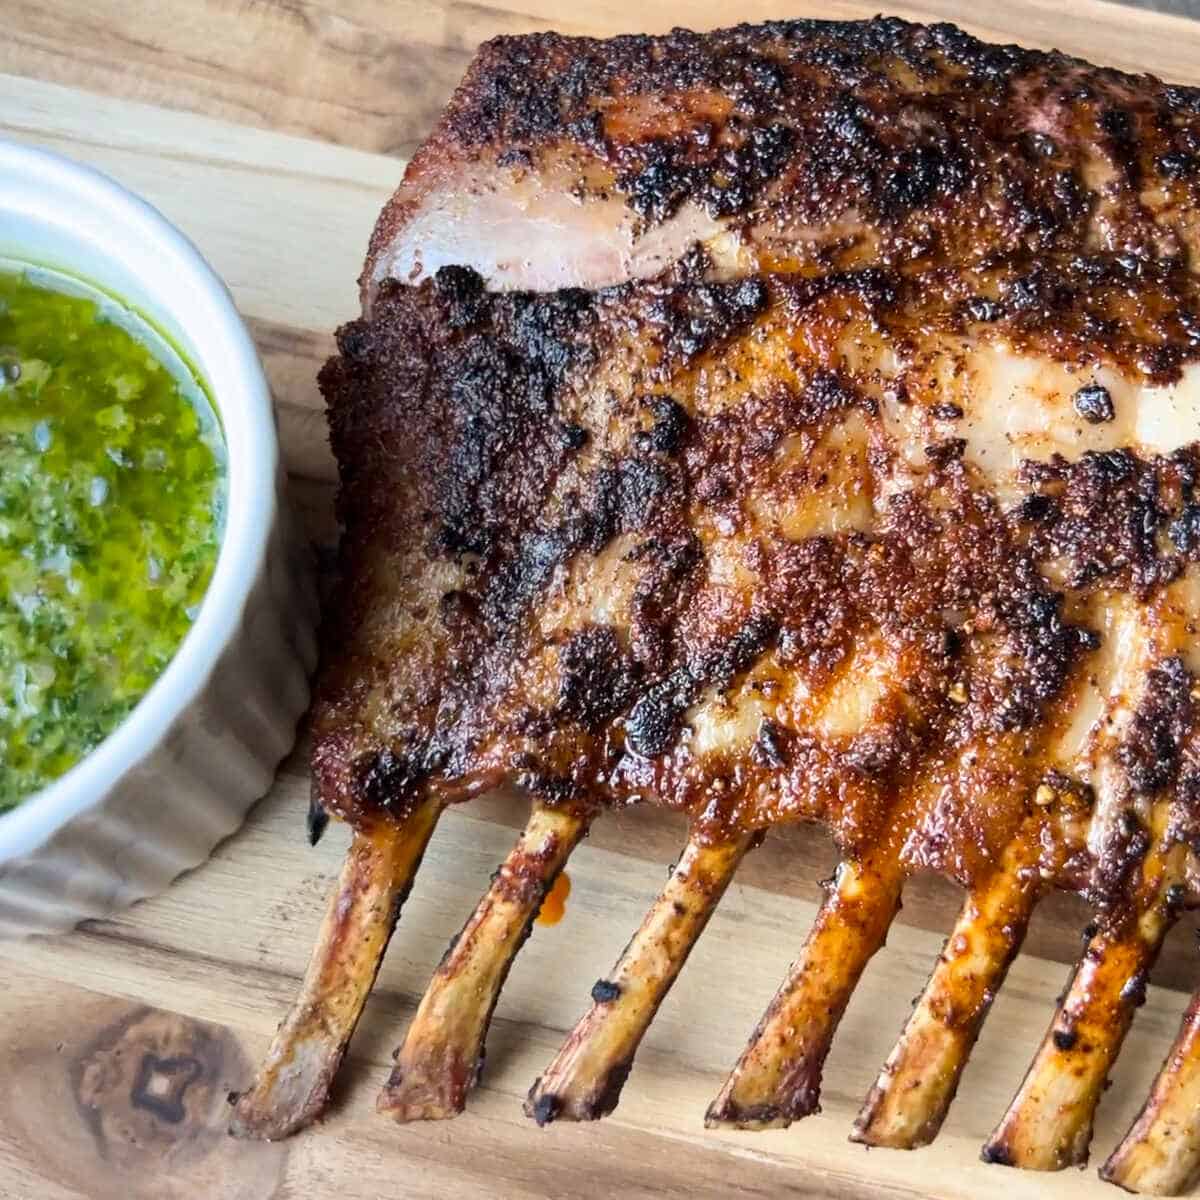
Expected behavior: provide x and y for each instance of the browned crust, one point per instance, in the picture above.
(427, 402)
(499, 453)
(441, 1057)
(801, 122)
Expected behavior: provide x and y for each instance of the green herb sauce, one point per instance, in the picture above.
(111, 500)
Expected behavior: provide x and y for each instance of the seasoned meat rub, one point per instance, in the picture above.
(796, 422)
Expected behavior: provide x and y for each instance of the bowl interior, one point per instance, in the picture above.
(60, 215)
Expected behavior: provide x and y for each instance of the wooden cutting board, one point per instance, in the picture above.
(263, 141)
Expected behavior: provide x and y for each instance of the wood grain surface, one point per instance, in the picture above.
(271, 132)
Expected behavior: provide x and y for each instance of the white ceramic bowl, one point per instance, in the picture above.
(182, 771)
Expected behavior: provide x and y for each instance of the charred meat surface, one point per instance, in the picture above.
(796, 422)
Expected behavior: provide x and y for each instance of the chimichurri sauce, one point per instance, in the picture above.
(111, 499)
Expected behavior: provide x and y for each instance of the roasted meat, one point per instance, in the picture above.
(791, 423)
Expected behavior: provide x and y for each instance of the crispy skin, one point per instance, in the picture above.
(792, 423)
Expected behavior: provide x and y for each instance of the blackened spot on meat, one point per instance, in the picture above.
(746, 169)
(947, 412)
(596, 678)
(623, 499)
(1111, 466)
(671, 423)
(1107, 521)
(1177, 165)
(670, 567)
(457, 609)
(826, 392)
(850, 121)
(943, 453)
(387, 779)
(1054, 470)
(588, 131)
(1175, 898)
(725, 181)
(1133, 993)
(1152, 746)
(980, 308)
(752, 80)
(546, 1107)
(997, 1154)
(1117, 123)
(653, 723)
(700, 316)
(640, 486)
(1185, 530)
(574, 437)
(1036, 507)
(769, 745)
(1094, 404)
(1045, 645)
(739, 652)
(1182, 98)
(660, 183)
(354, 340)
(877, 754)
(921, 175)
(1040, 145)
(520, 577)
(504, 440)
(460, 289)
(544, 332)
(515, 156)
(551, 788)
(1076, 794)
(604, 991)
(1065, 1039)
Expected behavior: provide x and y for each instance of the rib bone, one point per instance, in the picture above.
(778, 1077)
(1048, 1125)
(909, 1101)
(585, 1079)
(1161, 1152)
(292, 1087)
(442, 1054)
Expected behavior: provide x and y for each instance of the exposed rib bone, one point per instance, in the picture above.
(293, 1084)
(442, 1054)
(1048, 1125)
(910, 1099)
(1160, 1154)
(585, 1079)
(778, 1077)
